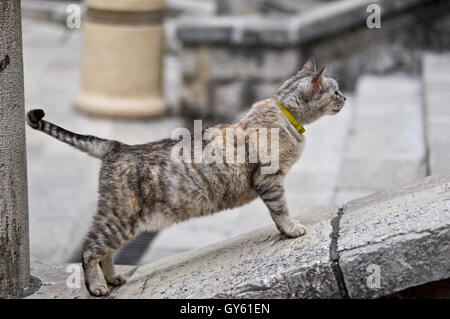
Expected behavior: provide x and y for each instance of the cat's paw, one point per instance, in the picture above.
(294, 230)
(98, 289)
(118, 280)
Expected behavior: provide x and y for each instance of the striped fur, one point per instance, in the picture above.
(94, 146)
(142, 189)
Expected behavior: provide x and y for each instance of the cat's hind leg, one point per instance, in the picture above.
(93, 276)
(118, 221)
(107, 234)
(107, 266)
(100, 244)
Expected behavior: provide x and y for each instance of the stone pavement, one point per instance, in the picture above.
(62, 181)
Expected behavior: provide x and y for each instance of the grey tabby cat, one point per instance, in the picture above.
(142, 189)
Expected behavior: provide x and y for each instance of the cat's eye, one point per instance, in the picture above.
(336, 92)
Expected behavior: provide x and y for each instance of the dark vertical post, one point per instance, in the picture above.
(14, 241)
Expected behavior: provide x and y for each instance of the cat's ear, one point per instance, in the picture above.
(310, 66)
(316, 79)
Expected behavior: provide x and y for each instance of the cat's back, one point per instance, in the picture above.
(179, 189)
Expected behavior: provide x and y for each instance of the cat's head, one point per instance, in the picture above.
(309, 94)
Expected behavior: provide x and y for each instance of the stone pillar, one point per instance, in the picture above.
(14, 245)
(121, 61)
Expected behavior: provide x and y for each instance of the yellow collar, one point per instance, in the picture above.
(291, 119)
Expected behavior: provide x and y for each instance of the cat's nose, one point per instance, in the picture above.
(340, 95)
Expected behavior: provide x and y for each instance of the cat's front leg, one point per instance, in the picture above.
(270, 189)
(286, 226)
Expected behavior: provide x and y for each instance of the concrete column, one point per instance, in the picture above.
(121, 62)
(14, 245)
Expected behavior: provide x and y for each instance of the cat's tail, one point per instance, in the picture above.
(94, 146)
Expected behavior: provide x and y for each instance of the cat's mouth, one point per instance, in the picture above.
(339, 107)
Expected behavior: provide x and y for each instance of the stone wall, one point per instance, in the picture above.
(239, 7)
(229, 62)
(219, 81)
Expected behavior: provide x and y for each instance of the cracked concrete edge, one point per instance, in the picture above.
(397, 272)
(423, 241)
(291, 285)
(334, 254)
(396, 239)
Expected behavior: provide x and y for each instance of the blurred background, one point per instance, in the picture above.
(134, 70)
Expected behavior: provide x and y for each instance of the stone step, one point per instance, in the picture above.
(375, 246)
(436, 83)
(386, 142)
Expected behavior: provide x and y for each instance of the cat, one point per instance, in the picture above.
(142, 189)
